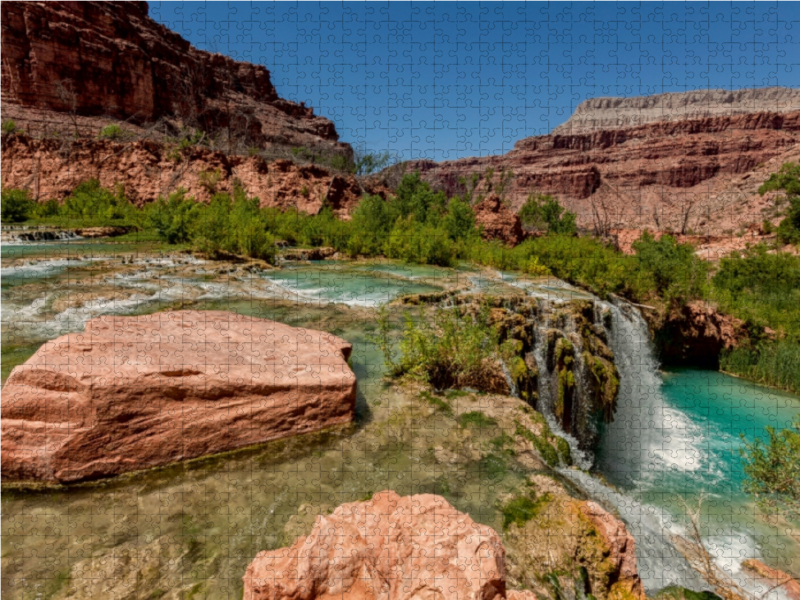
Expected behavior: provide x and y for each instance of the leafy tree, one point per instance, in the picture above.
(773, 470)
(674, 270)
(372, 221)
(91, 202)
(459, 222)
(173, 218)
(15, 206)
(788, 181)
(544, 213)
(211, 233)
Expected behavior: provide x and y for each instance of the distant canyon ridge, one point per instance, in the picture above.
(689, 161)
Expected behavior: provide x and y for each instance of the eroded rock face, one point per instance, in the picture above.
(696, 333)
(390, 547)
(110, 60)
(499, 222)
(146, 170)
(130, 393)
(648, 175)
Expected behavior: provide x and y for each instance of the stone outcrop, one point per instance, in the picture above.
(147, 169)
(131, 393)
(389, 547)
(80, 64)
(597, 114)
(696, 334)
(565, 534)
(646, 176)
(498, 221)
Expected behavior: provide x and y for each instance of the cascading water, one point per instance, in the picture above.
(644, 430)
(639, 433)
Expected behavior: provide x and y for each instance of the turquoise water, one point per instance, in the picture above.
(684, 445)
(367, 285)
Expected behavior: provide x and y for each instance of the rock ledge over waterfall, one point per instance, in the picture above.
(131, 393)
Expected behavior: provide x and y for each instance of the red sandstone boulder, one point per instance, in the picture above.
(499, 222)
(390, 547)
(136, 392)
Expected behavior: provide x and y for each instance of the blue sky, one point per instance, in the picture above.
(448, 80)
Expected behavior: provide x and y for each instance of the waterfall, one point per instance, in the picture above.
(645, 430)
(44, 235)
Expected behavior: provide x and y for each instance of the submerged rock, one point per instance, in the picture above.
(389, 547)
(136, 392)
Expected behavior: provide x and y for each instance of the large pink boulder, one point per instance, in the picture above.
(388, 548)
(135, 392)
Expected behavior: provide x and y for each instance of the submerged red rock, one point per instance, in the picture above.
(390, 547)
(136, 392)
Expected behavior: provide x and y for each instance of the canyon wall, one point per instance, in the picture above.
(688, 175)
(597, 114)
(83, 65)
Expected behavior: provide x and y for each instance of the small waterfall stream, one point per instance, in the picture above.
(627, 444)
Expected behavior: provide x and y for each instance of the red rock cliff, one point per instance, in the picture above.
(110, 60)
(650, 175)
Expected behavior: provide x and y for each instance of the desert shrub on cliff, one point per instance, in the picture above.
(112, 132)
(15, 206)
(9, 127)
(787, 180)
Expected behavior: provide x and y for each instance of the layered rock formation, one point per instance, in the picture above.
(83, 65)
(147, 170)
(390, 547)
(685, 175)
(596, 114)
(130, 393)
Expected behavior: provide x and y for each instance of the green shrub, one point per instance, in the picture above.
(773, 470)
(15, 206)
(521, 509)
(761, 288)
(451, 350)
(671, 270)
(91, 203)
(788, 181)
(174, 218)
(112, 132)
(544, 213)
(9, 126)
